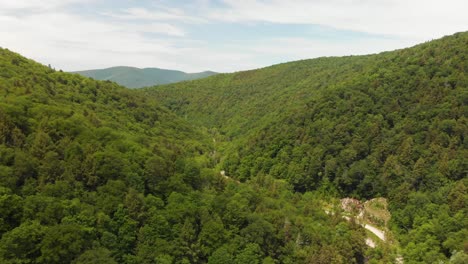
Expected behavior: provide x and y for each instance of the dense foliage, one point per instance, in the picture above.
(392, 124)
(136, 78)
(91, 172)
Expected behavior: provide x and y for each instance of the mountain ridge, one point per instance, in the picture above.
(133, 77)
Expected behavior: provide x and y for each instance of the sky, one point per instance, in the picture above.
(217, 35)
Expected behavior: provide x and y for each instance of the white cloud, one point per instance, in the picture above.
(67, 40)
(159, 14)
(302, 48)
(51, 34)
(160, 28)
(417, 19)
(159, 36)
(36, 5)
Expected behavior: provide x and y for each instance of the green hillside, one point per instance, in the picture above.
(392, 124)
(91, 172)
(136, 78)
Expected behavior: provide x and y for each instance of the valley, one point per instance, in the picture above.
(356, 159)
(358, 126)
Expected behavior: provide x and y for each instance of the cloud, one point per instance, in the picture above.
(204, 35)
(417, 19)
(72, 42)
(302, 48)
(17, 7)
(159, 28)
(160, 14)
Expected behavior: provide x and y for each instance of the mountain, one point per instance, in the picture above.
(392, 124)
(246, 167)
(92, 172)
(136, 78)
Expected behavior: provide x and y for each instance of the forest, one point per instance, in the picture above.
(392, 124)
(92, 172)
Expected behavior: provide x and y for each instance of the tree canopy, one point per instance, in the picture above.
(91, 172)
(392, 124)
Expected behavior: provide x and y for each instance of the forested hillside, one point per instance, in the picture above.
(392, 124)
(132, 77)
(91, 172)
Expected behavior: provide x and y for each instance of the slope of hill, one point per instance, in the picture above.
(392, 124)
(136, 78)
(91, 172)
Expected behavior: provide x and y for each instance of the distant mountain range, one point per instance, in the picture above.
(132, 77)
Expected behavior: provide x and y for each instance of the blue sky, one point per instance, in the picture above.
(218, 35)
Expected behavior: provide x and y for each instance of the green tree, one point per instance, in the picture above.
(63, 243)
(23, 244)
(250, 254)
(95, 256)
(222, 255)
